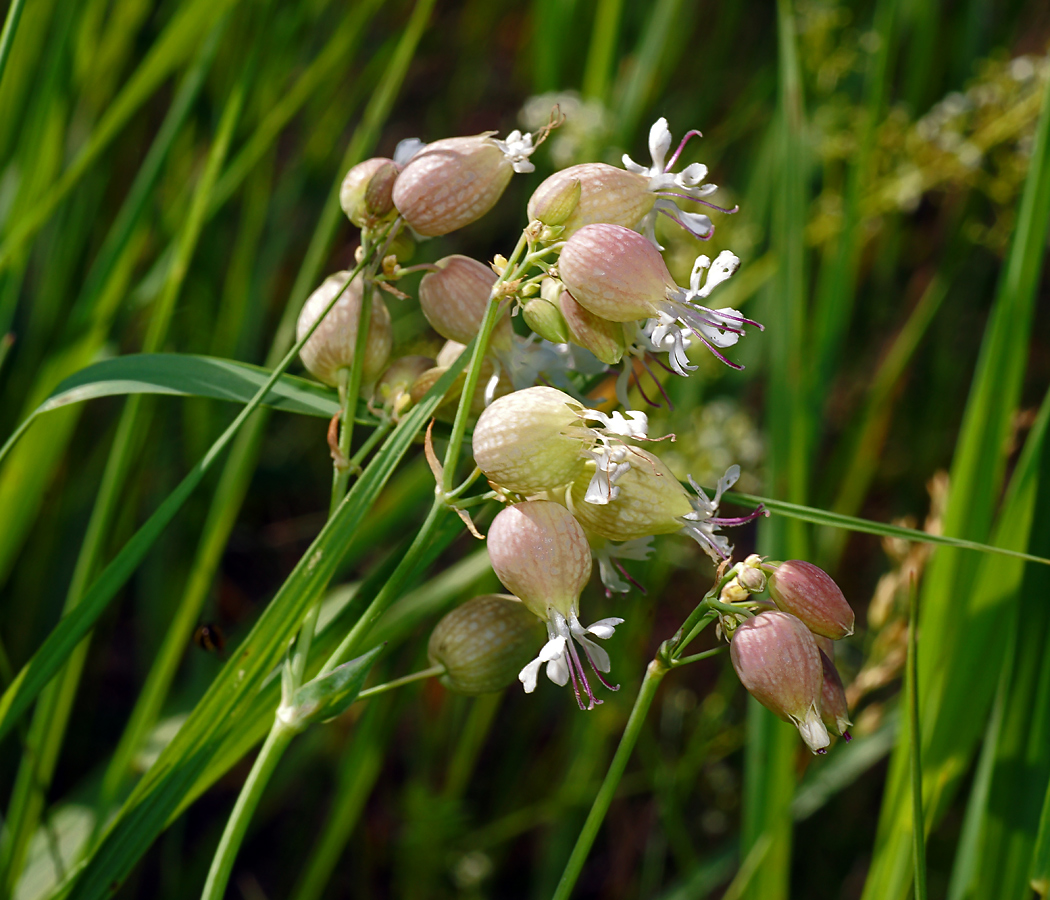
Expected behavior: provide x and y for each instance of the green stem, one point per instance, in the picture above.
(459, 426)
(222, 864)
(378, 433)
(696, 657)
(401, 682)
(654, 674)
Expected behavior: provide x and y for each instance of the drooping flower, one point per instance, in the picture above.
(608, 555)
(331, 346)
(618, 275)
(632, 197)
(777, 660)
(455, 297)
(452, 182)
(483, 643)
(668, 186)
(538, 439)
(651, 501)
(540, 553)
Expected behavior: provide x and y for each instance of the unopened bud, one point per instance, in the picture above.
(751, 576)
(833, 709)
(354, 198)
(331, 346)
(541, 555)
(393, 388)
(615, 273)
(484, 643)
(601, 337)
(778, 662)
(455, 298)
(808, 592)
(606, 194)
(530, 441)
(546, 320)
(451, 183)
(446, 411)
(554, 206)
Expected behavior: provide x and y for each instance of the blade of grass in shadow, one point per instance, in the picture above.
(7, 38)
(769, 777)
(1039, 874)
(552, 43)
(954, 608)
(236, 474)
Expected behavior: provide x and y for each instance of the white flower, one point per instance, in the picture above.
(702, 523)
(517, 148)
(406, 149)
(685, 185)
(562, 659)
(611, 456)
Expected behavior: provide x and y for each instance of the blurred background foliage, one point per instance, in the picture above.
(167, 174)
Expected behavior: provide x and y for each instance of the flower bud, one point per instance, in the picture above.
(484, 643)
(452, 182)
(363, 201)
(778, 662)
(530, 441)
(603, 338)
(446, 411)
(751, 576)
(649, 501)
(393, 389)
(834, 712)
(546, 320)
(455, 298)
(606, 194)
(615, 273)
(331, 346)
(540, 553)
(554, 206)
(802, 589)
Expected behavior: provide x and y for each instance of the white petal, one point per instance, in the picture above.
(406, 149)
(558, 671)
(659, 143)
(699, 265)
(724, 266)
(598, 656)
(727, 481)
(692, 175)
(631, 166)
(610, 578)
(604, 628)
(529, 674)
(553, 649)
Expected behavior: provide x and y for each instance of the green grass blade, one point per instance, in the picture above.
(597, 74)
(181, 37)
(1039, 875)
(918, 820)
(866, 526)
(236, 474)
(7, 38)
(171, 778)
(651, 53)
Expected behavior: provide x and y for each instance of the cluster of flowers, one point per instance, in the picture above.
(596, 293)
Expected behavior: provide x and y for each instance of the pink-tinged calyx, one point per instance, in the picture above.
(779, 664)
(331, 346)
(808, 592)
(605, 194)
(834, 711)
(454, 300)
(452, 182)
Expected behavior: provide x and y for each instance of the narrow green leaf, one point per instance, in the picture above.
(221, 711)
(330, 695)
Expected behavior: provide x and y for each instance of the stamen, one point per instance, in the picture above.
(706, 236)
(711, 205)
(689, 134)
(641, 390)
(574, 656)
(629, 577)
(847, 737)
(741, 520)
(608, 686)
(659, 386)
(714, 350)
(575, 685)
